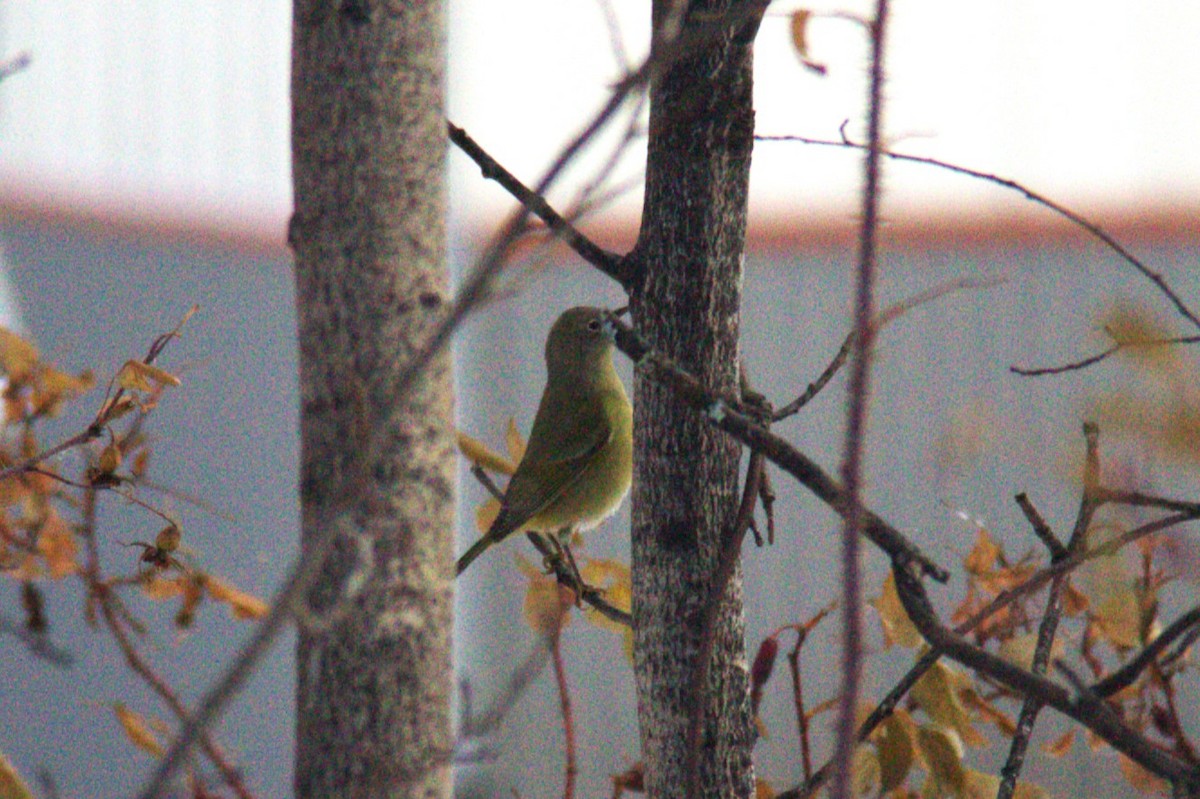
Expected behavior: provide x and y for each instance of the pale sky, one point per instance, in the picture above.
(184, 106)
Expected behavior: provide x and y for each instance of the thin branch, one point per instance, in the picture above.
(1031, 707)
(881, 320)
(1128, 673)
(607, 262)
(568, 718)
(14, 64)
(1040, 528)
(1092, 228)
(856, 415)
(1084, 363)
(822, 380)
(474, 725)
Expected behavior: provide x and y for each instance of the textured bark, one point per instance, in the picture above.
(687, 303)
(374, 690)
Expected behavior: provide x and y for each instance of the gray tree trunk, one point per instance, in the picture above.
(687, 302)
(373, 699)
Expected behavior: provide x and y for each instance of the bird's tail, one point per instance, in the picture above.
(475, 551)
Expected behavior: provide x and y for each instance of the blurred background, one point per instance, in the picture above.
(144, 168)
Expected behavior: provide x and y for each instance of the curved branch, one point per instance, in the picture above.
(1076, 219)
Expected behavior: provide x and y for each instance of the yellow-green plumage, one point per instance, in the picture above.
(579, 461)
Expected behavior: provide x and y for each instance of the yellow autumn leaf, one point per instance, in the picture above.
(546, 602)
(897, 626)
(1139, 334)
(942, 751)
(485, 514)
(514, 441)
(140, 376)
(11, 784)
(57, 546)
(481, 455)
(987, 711)
(110, 458)
(18, 357)
(1020, 649)
(193, 593)
(938, 694)
(241, 604)
(1113, 601)
(864, 772)
(613, 579)
(979, 785)
(894, 740)
(763, 790)
(137, 730)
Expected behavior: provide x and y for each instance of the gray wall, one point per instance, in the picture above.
(228, 435)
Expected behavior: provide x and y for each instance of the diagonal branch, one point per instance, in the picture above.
(607, 262)
(725, 414)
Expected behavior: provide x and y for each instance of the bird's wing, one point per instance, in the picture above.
(540, 479)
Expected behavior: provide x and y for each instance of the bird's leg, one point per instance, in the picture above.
(558, 560)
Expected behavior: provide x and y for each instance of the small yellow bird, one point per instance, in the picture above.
(579, 461)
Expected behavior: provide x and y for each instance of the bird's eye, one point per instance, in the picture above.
(593, 325)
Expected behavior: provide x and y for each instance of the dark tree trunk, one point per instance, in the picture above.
(375, 681)
(687, 303)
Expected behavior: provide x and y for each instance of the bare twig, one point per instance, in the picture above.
(856, 415)
(1048, 628)
(568, 718)
(1040, 528)
(1077, 219)
(1084, 363)
(1128, 673)
(14, 64)
(607, 262)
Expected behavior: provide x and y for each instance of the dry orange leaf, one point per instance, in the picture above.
(138, 730)
(486, 513)
(57, 545)
(1060, 745)
(242, 605)
(984, 555)
(156, 587)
